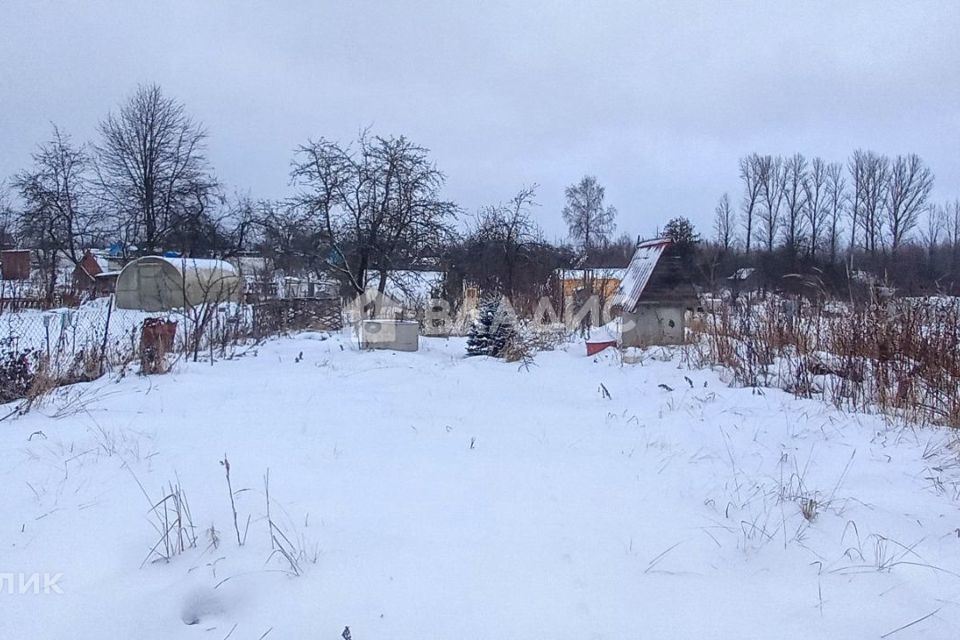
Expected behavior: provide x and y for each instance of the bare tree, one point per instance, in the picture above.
(836, 201)
(56, 195)
(794, 199)
(951, 212)
(750, 175)
(239, 227)
(508, 229)
(152, 168)
(375, 205)
(855, 165)
(616, 253)
(58, 217)
(817, 203)
(772, 184)
(909, 186)
(936, 225)
(724, 223)
(870, 173)
(8, 218)
(589, 220)
(291, 237)
(223, 230)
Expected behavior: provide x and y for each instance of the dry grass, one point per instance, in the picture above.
(173, 523)
(901, 358)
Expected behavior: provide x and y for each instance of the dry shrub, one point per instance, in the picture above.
(527, 340)
(45, 379)
(901, 358)
(18, 370)
(698, 324)
(519, 348)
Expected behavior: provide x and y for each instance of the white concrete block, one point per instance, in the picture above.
(395, 335)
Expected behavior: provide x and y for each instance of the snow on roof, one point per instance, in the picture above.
(199, 264)
(102, 262)
(640, 269)
(577, 274)
(90, 264)
(249, 263)
(742, 274)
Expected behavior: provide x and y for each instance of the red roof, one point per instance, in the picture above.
(90, 265)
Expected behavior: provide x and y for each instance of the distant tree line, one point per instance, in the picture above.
(375, 204)
(871, 213)
(359, 210)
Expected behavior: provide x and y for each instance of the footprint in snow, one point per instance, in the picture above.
(199, 603)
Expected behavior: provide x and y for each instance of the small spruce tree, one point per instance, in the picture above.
(491, 331)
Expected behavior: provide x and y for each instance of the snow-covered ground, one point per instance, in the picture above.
(433, 496)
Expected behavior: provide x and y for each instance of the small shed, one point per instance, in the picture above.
(654, 296)
(87, 270)
(15, 264)
(157, 283)
(743, 280)
(106, 283)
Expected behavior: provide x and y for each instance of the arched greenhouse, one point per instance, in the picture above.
(156, 283)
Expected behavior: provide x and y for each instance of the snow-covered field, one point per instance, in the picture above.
(432, 496)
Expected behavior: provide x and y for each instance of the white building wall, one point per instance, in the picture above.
(653, 324)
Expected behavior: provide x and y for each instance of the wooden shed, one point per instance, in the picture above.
(157, 283)
(655, 295)
(743, 280)
(15, 264)
(86, 272)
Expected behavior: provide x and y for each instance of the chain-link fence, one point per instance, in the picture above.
(41, 349)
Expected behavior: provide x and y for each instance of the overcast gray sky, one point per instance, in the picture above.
(657, 99)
